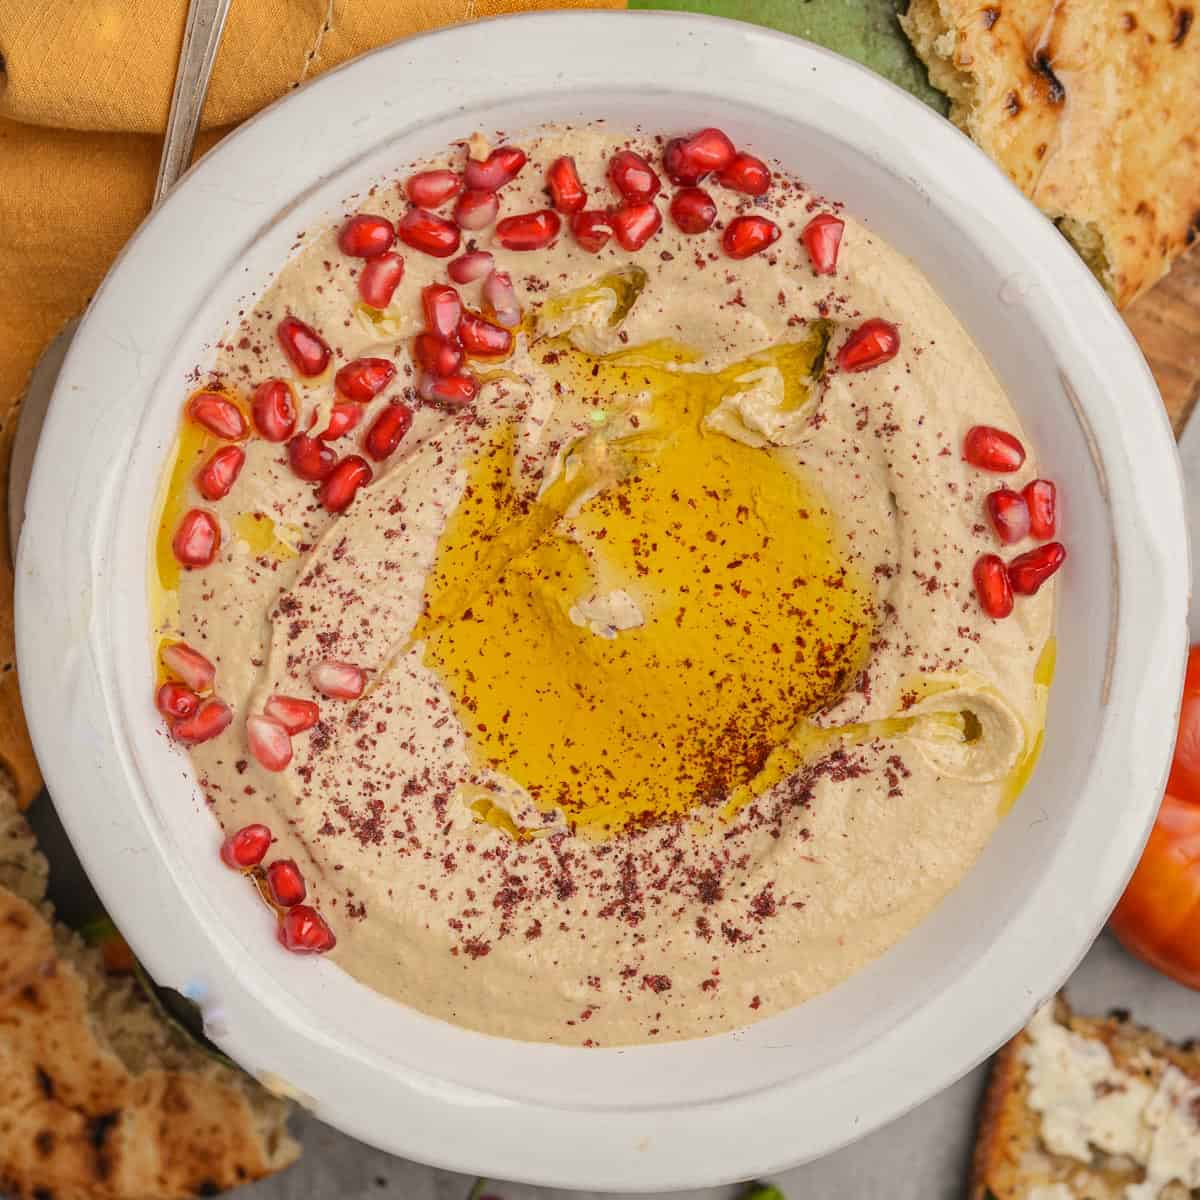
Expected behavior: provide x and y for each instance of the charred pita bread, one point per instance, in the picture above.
(1092, 107)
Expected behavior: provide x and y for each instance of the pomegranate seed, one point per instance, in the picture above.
(338, 680)
(218, 414)
(310, 459)
(269, 742)
(437, 355)
(211, 718)
(442, 309)
(992, 449)
(174, 700)
(747, 174)
(388, 430)
(190, 665)
(873, 343)
(343, 483)
(427, 232)
(197, 539)
(633, 176)
(528, 231)
(246, 848)
(220, 473)
(273, 408)
(992, 586)
(1008, 514)
(680, 170)
(693, 210)
(366, 236)
(633, 225)
(1030, 570)
(286, 883)
(748, 235)
(688, 160)
(303, 931)
(481, 339)
(470, 267)
(364, 378)
(566, 192)
(500, 300)
(429, 189)
(591, 229)
(476, 209)
(822, 237)
(454, 391)
(492, 173)
(294, 715)
(379, 279)
(1042, 498)
(342, 419)
(308, 353)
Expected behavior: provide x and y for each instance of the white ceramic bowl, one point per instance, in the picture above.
(801, 1083)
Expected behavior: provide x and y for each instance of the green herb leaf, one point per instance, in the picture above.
(763, 1191)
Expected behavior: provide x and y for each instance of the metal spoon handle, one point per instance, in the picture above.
(201, 37)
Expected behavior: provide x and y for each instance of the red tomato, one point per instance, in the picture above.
(1158, 918)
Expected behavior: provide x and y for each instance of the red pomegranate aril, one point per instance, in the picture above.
(311, 459)
(379, 279)
(476, 209)
(1008, 514)
(246, 848)
(748, 235)
(427, 232)
(342, 419)
(633, 225)
(387, 431)
(873, 343)
(822, 238)
(429, 189)
(591, 230)
(294, 715)
(1030, 570)
(442, 309)
(492, 173)
(197, 539)
(174, 700)
(992, 586)
(481, 339)
(273, 408)
(343, 483)
(304, 931)
(364, 378)
(220, 473)
(338, 680)
(992, 449)
(304, 347)
(453, 391)
(210, 718)
(269, 742)
(190, 665)
(746, 174)
(285, 882)
(681, 170)
(566, 192)
(708, 150)
(528, 231)
(1042, 498)
(218, 414)
(470, 267)
(633, 176)
(500, 300)
(692, 210)
(437, 355)
(366, 236)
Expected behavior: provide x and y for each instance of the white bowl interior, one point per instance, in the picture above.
(359, 1056)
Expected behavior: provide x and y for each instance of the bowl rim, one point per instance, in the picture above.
(683, 1145)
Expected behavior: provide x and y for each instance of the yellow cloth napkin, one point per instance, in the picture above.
(84, 96)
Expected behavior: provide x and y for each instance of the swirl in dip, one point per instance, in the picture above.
(678, 698)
